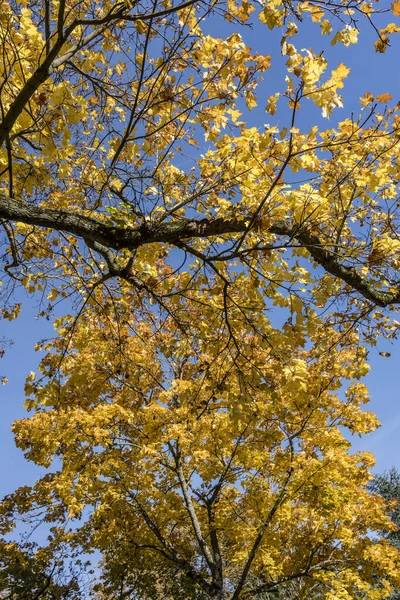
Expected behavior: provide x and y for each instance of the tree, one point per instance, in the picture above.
(31, 573)
(387, 485)
(198, 432)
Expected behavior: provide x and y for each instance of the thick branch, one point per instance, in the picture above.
(115, 237)
(349, 275)
(31, 86)
(176, 231)
(53, 61)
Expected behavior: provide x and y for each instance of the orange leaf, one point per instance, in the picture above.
(384, 97)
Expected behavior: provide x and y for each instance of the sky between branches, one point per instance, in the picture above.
(372, 72)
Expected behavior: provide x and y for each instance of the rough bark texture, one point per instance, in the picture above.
(175, 232)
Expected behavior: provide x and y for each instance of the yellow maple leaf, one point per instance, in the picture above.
(396, 8)
(367, 99)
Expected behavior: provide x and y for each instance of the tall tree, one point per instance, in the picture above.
(220, 294)
(387, 485)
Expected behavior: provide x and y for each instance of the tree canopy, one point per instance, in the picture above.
(222, 282)
(387, 484)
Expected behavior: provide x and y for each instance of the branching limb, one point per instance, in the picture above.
(13, 247)
(178, 232)
(256, 544)
(191, 509)
(169, 552)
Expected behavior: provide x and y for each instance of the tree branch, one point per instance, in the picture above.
(259, 537)
(51, 62)
(170, 552)
(191, 509)
(115, 237)
(176, 231)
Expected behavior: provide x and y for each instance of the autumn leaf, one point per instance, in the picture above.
(384, 98)
(396, 9)
(213, 284)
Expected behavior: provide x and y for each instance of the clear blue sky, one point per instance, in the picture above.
(371, 72)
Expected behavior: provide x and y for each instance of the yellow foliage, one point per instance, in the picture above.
(222, 278)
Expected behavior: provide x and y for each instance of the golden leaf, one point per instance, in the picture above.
(396, 8)
(384, 98)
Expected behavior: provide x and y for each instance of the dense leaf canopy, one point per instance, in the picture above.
(222, 282)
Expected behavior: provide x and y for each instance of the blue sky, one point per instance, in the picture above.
(371, 72)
